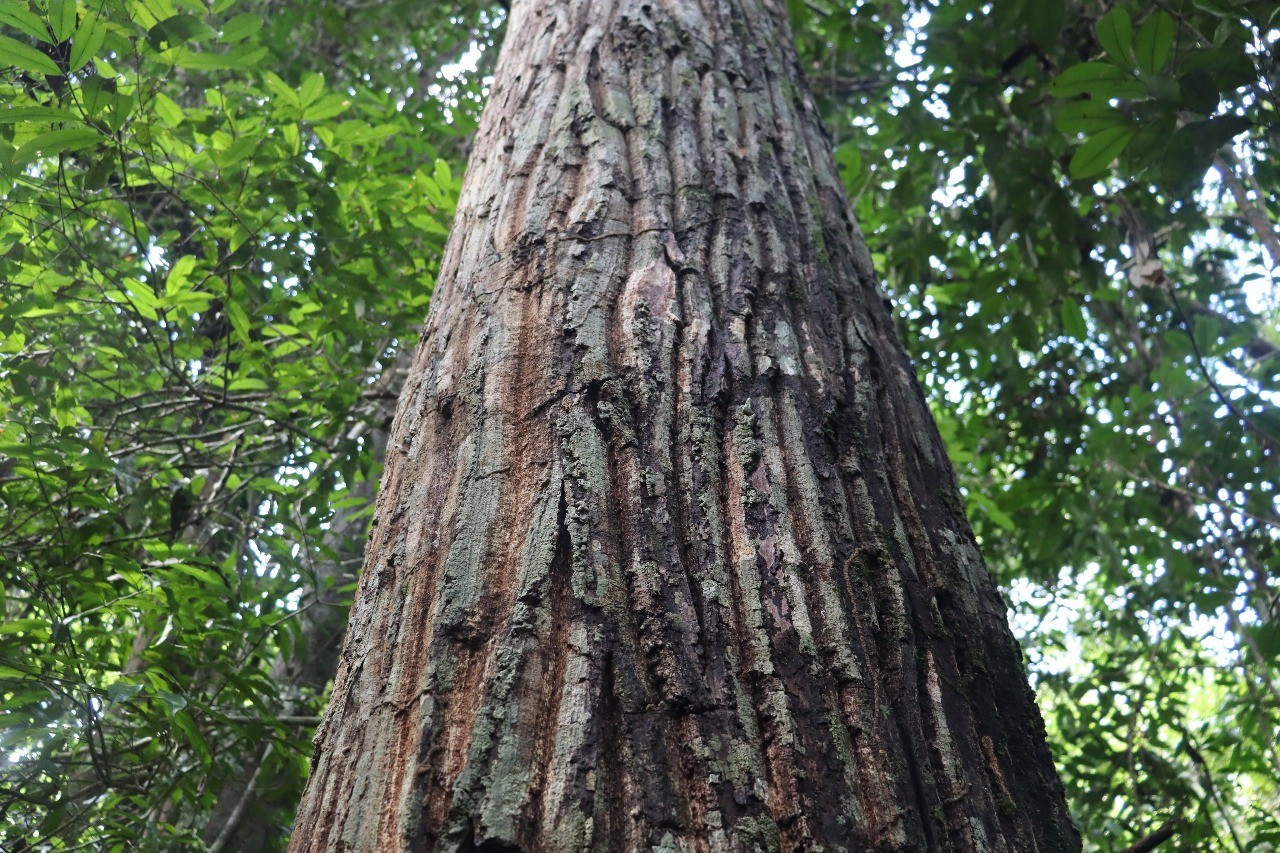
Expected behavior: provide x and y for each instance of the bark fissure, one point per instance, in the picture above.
(669, 555)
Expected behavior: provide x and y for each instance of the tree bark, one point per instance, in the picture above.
(668, 553)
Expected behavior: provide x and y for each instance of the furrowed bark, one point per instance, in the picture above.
(668, 553)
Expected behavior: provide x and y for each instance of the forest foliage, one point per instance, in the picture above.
(219, 227)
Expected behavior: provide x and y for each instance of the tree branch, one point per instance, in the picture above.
(1154, 840)
(1254, 211)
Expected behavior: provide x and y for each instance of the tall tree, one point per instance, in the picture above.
(668, 553)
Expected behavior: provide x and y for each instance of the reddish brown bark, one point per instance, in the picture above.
(668, 553)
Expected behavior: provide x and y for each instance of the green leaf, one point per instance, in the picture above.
(281, 89)
(121, 106)
(1267, 638)
(1099, 79)
(87, 42)
(1098, 152)
(443, 173)
(1047, 17)
(1205, 332)
(949, 294)
(170, 113)
(96, 95)
(239, 319)
(37, 114)
(999, 516)
(56, 142)
(33, 629)
(236, 151)
(62, 18)
(1088, 117)
(204, 576)
(176, 30)
(240, 57)
(327, 107)
(24, 20)
(187, 725)
(179, 275)
(312, 88)
(1153, 46)
(1190, 151)
(123, 690)
(1200, 92)
(1115, 34)
(172, 701)
(1220, 8)
(144, 296)
(13, 52)
(849, 159)
(241, 27)
(1073, 321)
(1220, 130)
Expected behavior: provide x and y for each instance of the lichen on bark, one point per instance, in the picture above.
(668, 554)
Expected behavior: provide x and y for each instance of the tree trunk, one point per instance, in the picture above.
(668, 553)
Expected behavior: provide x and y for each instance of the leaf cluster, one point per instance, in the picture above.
(212, 260)
(1070, 204)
